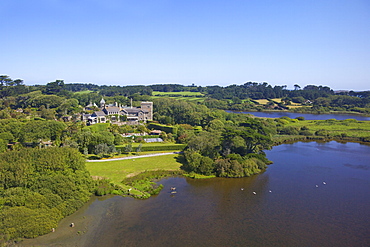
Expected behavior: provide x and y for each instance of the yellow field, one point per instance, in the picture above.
(262, 101)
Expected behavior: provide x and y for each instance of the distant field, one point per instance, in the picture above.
(262, 101)
(83, 92)
(186, 96)
(278, 100)
(118, 170)
(157, 93)
(295, 105)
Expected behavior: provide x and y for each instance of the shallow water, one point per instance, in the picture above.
(300, 210)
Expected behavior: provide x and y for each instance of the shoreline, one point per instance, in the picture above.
(64, 234)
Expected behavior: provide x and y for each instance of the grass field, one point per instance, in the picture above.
(187, 96)
(116, 171)
(157, 93)
(349, 127)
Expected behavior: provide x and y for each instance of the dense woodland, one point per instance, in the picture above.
(39, 185)
(65, 98)
(38, 188)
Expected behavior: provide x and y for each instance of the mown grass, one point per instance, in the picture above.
(118, 170)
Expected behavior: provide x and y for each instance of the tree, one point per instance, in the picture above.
(296, 87)
(138, 149)
(5, 79)
(101, 149)
(54, 87)
(128, 148)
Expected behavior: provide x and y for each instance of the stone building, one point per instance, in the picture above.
(116, 113)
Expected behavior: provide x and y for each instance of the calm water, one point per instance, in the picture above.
(307, 116)
(217, 212)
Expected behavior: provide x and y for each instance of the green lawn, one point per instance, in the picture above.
(118, 170)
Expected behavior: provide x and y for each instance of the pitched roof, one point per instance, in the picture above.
(113, 108)
(99, 113)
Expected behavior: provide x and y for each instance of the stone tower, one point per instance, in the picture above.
(147, 108)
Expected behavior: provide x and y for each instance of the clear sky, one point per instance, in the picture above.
(205, 42)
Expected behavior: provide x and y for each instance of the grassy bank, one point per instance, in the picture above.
(118, 171)
(331, 129)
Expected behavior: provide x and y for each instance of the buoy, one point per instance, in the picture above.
(323, 182)
(72, 224)
(270, 191)
(242, 189)
(254, 193)
(317, 186)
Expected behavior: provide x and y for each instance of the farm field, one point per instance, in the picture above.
(278, 100)
(262, 101)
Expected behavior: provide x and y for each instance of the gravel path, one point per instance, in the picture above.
(133, 157)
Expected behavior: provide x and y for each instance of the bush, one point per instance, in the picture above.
(289, 130)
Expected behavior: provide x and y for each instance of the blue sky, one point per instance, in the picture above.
(119, 42)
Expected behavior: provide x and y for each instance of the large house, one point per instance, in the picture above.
(115, 113)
